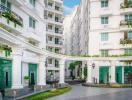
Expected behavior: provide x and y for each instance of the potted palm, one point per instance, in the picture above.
(26, 80)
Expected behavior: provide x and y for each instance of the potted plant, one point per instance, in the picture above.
(26, 80)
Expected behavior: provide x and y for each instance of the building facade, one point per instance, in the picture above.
(110, 35)
(53, 14)
(23, 43)
(106, 31)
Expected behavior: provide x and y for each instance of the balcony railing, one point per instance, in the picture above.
(126, 4)
(11, 16)
(126, 23)
(54, 31)
(54, 8)
(125, 41)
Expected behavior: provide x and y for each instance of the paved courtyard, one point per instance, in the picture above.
(87, 93)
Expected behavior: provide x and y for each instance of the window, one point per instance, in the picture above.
(56, 30)
(56, 50)
(128, 17)
(49, 61)
(56, 19)
(6, 4)
(130, 35)
(50, 38)
(3, 2)
(56, 41)
(50, 15)
(50, 48)
(50, 27)
(50, 4)
(57, 8)
(104, 20)
(32, 22)
(104, 3)
(128, 52)
(129, 1)
(104, 53)
(56, 63)
(33, 2)
(104, 36)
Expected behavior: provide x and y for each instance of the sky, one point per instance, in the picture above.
(69, 5)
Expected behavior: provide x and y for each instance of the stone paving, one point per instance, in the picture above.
(87, 93)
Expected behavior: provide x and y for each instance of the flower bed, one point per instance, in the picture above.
(48, 94)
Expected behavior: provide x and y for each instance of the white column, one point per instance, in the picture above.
(16, 68)
(62, 71)
(82, 72)
(89, 68)
(42, 71)
(112, 72)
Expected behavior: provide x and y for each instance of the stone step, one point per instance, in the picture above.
(18, 92)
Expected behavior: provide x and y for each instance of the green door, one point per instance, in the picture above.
(33, 74)
(128, 74)
(5, 73)
(104, 74)
(118, 74)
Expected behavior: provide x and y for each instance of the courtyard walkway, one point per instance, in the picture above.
(87, 93)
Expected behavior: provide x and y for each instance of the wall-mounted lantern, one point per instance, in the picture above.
(93, 65)
(46, 63)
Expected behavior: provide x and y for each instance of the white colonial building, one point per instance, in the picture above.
(110, 35)
(107, 31)
(23, 31)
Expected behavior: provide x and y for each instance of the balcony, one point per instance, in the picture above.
(126, 7)
(125, 41)
(54, 9)
(126, 4)
(54, 33)
(125, 25)
(32, 35)
(10, 21)
(17, 2)
(54, 20)
(54, 44)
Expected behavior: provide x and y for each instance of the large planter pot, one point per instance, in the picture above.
(11, 24)
(26, 83)
(19, 28)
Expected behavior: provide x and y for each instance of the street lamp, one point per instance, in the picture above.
(93, 65)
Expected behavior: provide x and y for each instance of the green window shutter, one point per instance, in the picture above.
(5, 73)
(103, 74)
(118, 74)
(33, 69)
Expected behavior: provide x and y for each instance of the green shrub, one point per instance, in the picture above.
(26, 77)
(48, 94)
